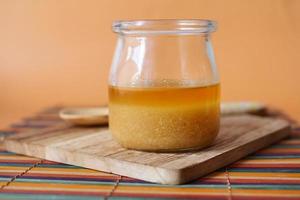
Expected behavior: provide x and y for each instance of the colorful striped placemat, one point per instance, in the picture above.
(272, 173)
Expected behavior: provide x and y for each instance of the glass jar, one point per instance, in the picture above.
(164, 92)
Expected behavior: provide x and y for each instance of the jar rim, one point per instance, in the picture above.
(164, 26)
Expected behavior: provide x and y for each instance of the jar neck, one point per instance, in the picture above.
(164, 27)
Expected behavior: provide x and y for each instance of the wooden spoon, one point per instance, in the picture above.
(243, 107)
(85, 116)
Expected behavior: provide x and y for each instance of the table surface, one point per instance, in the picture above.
(271, 173)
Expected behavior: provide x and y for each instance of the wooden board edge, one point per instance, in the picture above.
(94, 162)
(110, 165)
(22, 148)
(188, 174)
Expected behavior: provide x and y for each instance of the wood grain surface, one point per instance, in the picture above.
(95, 148)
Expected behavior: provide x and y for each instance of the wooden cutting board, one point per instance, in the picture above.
(94, 148)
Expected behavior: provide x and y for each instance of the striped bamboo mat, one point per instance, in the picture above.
(272, 173)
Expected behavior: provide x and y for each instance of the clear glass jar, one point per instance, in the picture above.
(164, 85)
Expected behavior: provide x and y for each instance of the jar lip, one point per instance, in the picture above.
(164, 26)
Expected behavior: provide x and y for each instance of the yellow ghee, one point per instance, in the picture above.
(164, 118)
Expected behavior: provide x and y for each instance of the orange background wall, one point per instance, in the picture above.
(59, 51)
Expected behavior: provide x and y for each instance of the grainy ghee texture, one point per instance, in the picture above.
(164, 118)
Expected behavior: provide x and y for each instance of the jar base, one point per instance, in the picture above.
(179, 150)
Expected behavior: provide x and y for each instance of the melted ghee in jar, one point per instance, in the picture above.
(164, 118)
